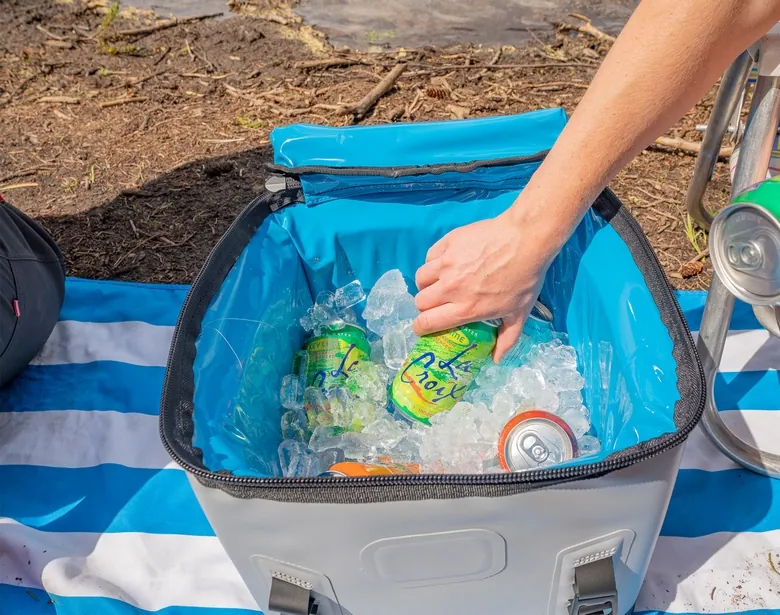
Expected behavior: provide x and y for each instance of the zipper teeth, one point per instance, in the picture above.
(407, 171)
(530, 477)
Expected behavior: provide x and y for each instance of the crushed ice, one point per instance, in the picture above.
(354, 421)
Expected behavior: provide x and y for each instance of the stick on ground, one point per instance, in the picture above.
(60, 100)
(689, 147)
(329, 63)
(586, 28)
(122, 101)
(360, 109)
(162, 25)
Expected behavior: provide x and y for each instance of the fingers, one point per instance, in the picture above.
(442, 317)
(508, 334)
(427, 274)
(437, 249)
(430, 297)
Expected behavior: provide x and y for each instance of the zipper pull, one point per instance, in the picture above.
(277, 183)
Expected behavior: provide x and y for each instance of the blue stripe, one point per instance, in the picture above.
(748, 390)
(102, 301)
(107, 498)
(692, 303)
(102, 385)
(23, 601)
(726, 501)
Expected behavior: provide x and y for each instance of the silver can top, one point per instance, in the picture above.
(745, 250)
(535, 439)
(541, 313)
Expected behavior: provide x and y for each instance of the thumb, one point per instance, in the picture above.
(508, 334)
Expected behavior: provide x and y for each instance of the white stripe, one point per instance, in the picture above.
(148, 571)
(718, 573)
(81, 439)
(754, 427)
(134, 342)
(751, 350)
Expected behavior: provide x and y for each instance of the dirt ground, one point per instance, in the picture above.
(136, 150)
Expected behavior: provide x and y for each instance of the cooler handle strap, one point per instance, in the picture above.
(595, 589)
(290, 599)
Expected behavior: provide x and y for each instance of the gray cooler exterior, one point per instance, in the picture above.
(512, 555)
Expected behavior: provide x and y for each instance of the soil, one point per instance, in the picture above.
(143, 189)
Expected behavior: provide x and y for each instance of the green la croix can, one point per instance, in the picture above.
(745, 244)
(334, 354)
(440, 369)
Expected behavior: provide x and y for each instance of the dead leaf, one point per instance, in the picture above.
(458, 112)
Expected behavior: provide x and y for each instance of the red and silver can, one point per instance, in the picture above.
(534, 439)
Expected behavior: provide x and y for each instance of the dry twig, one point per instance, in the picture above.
(689, 147)
(122, 101)
(360, 109)
(330, 62)
(162, 25)
(60, 100)
(586, 28)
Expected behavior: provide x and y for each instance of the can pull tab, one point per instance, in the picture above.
(745, 255)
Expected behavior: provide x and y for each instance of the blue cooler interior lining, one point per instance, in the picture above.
(358, 227)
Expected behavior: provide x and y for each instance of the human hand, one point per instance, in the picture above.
(490, 269)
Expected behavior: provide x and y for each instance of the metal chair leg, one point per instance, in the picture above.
(751, 168)
(726, 107)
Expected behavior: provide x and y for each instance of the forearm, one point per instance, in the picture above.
(667, 57)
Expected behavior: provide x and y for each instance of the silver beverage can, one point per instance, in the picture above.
(535, 439)
(745, 244)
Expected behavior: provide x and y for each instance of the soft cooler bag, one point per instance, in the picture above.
(352, 203)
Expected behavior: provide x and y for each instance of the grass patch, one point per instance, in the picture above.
(247, 122)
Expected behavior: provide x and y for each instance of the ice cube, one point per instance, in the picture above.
(326, 298)
(565, 379)
(411, 336)
(377, 350)
(547, 400)
(349, 295)
(588, 445)
(294, 426)
(296, 459)
(568, 400)
(491, 377)
(386, 433)
(390, 284)
(340, 406)
(306, 322)
(300, 363)
(556, 354)
(578, 421)
(324, 437)
(526, 382)
(329, 458)
(291, 392)
(368, 381)
(317, 407)
(395, 350)
(504, 404)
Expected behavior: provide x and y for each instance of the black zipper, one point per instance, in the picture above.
(622, 460)
(406, 171)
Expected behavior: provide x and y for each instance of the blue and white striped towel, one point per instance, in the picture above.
(96, 520)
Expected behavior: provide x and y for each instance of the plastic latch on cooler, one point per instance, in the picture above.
(595, 589)
(291, 599)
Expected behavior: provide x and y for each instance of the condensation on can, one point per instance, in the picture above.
(745, 244)
(440, 369)
(528, 440)
(334, 354)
